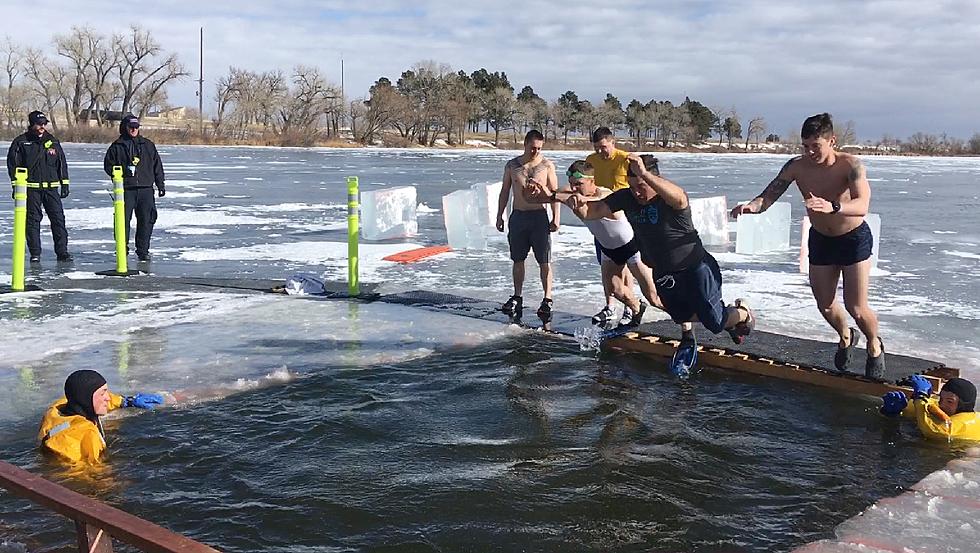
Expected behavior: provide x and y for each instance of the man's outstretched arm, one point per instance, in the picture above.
(772, 192)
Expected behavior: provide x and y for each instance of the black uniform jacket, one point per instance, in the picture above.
(41, 155)
(140, 153)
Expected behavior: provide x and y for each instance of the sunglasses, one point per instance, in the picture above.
(577, 175)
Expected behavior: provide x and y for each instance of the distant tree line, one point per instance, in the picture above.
(88, 76)
(92, 78)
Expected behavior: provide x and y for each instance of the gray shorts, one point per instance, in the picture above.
(530, 229)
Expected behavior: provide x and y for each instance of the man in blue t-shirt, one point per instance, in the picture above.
(687, 276)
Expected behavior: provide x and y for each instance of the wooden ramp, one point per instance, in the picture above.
(763, 353)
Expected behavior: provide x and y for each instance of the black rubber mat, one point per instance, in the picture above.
(151, 283)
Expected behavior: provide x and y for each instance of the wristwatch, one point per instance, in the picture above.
(835, 206)
(554, 196)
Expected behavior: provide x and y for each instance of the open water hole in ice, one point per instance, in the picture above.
(328, 425)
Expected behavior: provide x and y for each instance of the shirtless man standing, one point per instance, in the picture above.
(529, 225)
(836, 194)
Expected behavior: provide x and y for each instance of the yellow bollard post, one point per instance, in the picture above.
(20, 229)
(119, 218)
(119, 225)
(353, 223)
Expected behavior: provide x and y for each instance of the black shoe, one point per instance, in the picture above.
(544, 310)
(513, 306)
(843, 355)
(66, 258)
(637, 317)
(35, 259)
(143, 256)
(744, 328)
(874, 367)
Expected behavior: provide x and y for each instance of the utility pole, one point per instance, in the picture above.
(343, 98)
(200, 90)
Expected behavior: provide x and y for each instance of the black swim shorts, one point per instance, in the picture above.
(846, 249)
(620, 255)
(529, 230)
(694, 291)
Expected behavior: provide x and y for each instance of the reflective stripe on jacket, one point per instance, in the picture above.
(73, 438)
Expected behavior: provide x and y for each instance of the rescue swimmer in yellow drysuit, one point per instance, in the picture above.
(951, 416)
(71, 427)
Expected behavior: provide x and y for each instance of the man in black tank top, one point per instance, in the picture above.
(687, 276)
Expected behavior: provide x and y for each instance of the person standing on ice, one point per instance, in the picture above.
(142, 169)
(72, 429)
(529, 227)
(47, 183)
(837, 195)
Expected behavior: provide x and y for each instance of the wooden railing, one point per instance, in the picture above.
(96, 523)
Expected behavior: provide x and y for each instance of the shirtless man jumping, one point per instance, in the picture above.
(837, 195)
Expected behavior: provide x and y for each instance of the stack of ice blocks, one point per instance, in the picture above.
(873, 220)
(389, 213)
(763, 232)
(710, 217)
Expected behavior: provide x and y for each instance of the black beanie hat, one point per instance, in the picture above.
(965, 391)
(79, 388)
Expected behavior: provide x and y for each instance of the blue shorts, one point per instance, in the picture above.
(694, 292)
(841, 251)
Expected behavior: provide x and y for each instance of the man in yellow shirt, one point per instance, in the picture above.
(950, 417)
(609, 165)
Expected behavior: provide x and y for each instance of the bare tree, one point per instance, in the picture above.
(102, 92)
(848, 136)
(139, 65)
(14, 94)
(46, 77)
(385, 106)
(76, 47)
(756, 129)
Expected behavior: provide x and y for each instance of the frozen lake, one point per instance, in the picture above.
(417, 431)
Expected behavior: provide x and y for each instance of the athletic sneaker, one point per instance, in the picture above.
(514, 305)
(604, 317)
(35, 259)
(627, 316)
(66, 258)
(684, 358)
(744, 328)
(635, 318)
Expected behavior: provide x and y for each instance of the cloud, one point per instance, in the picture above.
(892, 66)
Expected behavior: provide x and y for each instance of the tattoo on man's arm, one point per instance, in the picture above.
(857, 173)
(775, 189)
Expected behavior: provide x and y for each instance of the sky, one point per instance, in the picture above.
(893, 67)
